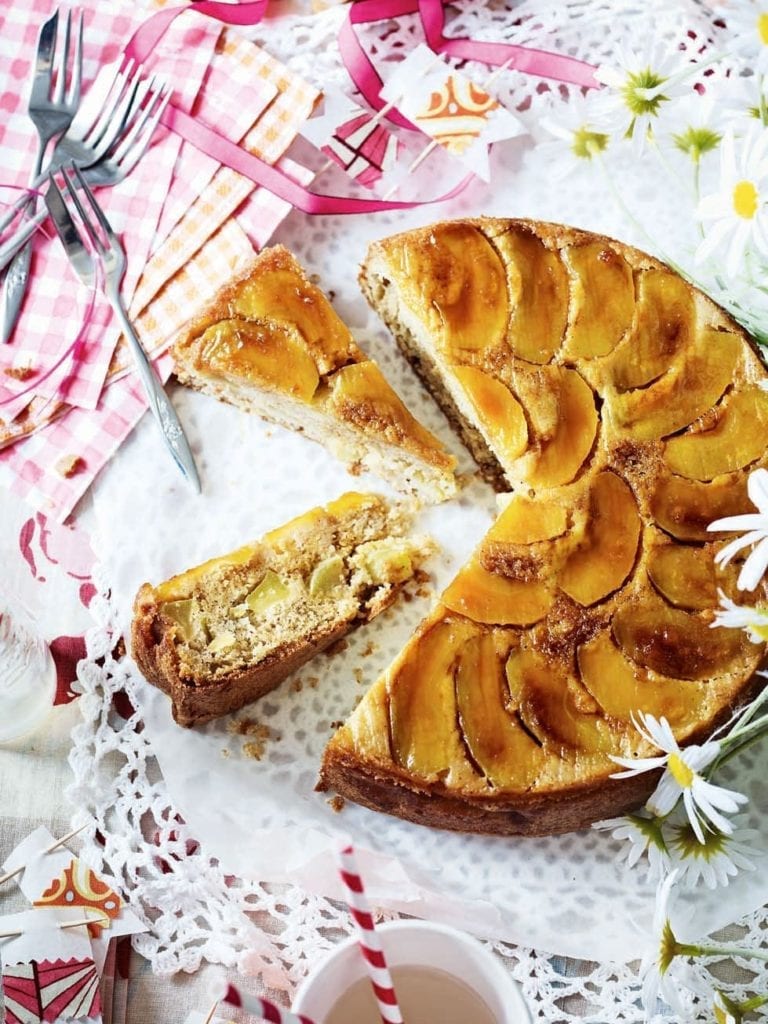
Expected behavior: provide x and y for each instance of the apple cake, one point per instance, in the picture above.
(222, 634)
(271, 343)
(624, 410)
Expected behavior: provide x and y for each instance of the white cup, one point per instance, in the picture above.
(416, 944)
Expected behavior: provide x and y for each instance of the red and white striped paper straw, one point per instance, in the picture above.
(370, 944)
(262, 1008)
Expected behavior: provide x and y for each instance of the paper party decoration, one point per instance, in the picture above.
(47, 991)
(450, 108)
(353, 138)
(57, 879)
(48, 972)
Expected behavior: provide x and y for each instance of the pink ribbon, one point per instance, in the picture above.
(366, 78)
(542, 63)
(72, 351)
(231, 155)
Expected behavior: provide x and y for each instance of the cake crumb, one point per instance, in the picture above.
(420, 576)
(369, 649)
(297, 685)
(225, 752)
(254, 750)
(359, 676)
(336, 803)
(70, 465)
(336, 648)
(337, 724)
(21, 373)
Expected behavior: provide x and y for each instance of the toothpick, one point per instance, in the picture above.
(49, 849)
(434, 143)
(62, 925)
(211, 1012)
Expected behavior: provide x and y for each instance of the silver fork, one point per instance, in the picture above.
(92, 131)
(116, 161)
(112, 258)
(51, 109)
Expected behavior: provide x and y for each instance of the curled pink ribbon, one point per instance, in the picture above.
(366, 78)
(542, 63)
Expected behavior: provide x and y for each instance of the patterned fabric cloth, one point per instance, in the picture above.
(178, 206)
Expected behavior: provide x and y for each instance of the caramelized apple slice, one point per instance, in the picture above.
(526, 522)
(538, 295)
(685, 576)
(620, 686)
(684, 508)
(183, 585)
(673, 642)
(561, 406)
(502, 750)
(422, 703)
(606, 557)
(278, 290)
(487, 597)
(664, 326)
(459, 274)
(270, 354)
(498, 412)
(554, 708)
(602, 300)
(739, 437)
(684, 393)
(360, 394)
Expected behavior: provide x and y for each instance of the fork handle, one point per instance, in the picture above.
(9, 248)
(159, 403)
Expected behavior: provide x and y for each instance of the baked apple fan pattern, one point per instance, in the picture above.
(625, 411)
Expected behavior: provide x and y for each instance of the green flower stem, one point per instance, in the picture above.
(725, 757)
(763, 110)
(625, 210)
(685, 949)
(753, 1004)
(670, 170)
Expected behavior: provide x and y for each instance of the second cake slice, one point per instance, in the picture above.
(272, 344)
(222, 634)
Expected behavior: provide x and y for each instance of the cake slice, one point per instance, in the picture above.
(222, 634)
(626, 410)
(272, 344)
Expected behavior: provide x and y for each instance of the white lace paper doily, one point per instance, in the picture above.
(262, 819)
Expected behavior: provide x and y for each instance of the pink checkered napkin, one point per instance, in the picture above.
(231, 98)
(55, 466)
(51, 316)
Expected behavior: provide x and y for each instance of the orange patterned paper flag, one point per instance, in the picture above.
(79, 886)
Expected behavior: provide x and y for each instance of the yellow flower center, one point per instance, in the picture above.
(762, 28)
(680, 771)
(745, 199)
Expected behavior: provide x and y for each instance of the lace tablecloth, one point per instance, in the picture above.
(199, 913)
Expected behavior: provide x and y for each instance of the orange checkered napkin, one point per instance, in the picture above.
(273, 130)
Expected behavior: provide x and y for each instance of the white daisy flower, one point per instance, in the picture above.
(578, 140)
(658, 980)
(747, 22)
(639, 87)
(741, 616)
(693, 125)
(644, 836)
(756, 525)
(704, 802)
(737, 213)
(715, 861)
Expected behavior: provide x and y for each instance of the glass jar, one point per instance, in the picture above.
(27, 672)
